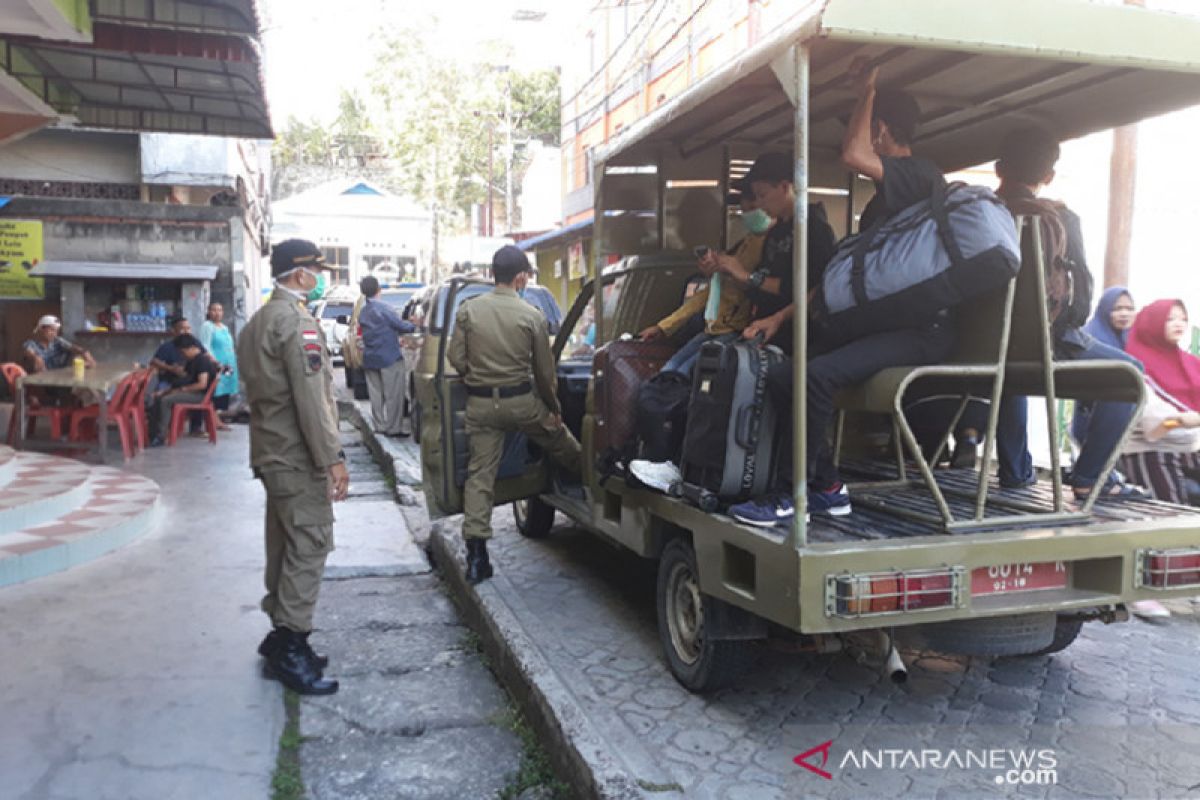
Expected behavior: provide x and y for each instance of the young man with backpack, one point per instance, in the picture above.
(1025, 167)
(877, 144)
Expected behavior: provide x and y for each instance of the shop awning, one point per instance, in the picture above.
(109, 270)
(174, 66)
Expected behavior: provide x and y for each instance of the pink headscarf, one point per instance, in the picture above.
(1175, 371)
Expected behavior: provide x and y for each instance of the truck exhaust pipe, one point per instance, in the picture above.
(895, 668)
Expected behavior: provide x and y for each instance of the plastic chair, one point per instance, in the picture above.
(180, 411)
(83, 421)
(137, 406)
(59, 416)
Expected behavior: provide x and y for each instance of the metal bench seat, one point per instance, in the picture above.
(1004, 348)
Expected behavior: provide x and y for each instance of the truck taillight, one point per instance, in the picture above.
(872, 593)
(1167, 569)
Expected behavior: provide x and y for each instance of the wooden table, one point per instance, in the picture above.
(100, 379)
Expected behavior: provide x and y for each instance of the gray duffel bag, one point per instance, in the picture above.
(933, 255)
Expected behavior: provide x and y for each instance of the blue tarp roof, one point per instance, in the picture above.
(550, 236)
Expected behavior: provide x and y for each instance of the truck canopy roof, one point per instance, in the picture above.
(978, 68)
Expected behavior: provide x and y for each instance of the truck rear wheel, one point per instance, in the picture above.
(699, 663)
(1066, 631)
(1016, 635)
(534, 517)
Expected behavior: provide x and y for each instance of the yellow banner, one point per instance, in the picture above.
(20, 251)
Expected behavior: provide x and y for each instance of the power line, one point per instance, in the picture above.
(616, 50)
(634, 64)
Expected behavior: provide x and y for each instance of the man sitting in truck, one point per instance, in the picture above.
(1025, 167)
(747, 292)
(877, 144)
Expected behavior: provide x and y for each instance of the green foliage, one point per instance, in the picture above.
(436, 115)
(287, 782)
(535, 768)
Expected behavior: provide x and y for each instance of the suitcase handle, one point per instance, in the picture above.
(743, 428)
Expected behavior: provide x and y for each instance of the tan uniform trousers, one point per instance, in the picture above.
(299, 536)
(488, 420)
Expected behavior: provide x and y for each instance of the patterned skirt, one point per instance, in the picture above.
(1165, 474)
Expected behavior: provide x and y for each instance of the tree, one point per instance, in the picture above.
(442, 117)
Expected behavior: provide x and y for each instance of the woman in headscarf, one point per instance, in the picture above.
(1164, 450)
(1110, 325)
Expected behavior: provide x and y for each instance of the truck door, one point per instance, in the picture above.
(444, 446)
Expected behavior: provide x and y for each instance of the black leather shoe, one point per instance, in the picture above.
(291, 665)
(268, 644)
(479, 568)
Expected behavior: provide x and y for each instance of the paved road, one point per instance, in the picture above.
(1118, 713)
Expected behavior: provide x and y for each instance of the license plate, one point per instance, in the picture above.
(1005, 578)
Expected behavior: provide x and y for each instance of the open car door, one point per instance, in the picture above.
(443, 399)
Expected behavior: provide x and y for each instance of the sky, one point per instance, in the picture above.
(314, 48)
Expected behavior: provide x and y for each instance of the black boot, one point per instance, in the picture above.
(268, 645)
(479, 568)
(293, 666)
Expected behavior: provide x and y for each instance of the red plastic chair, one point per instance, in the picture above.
(180, 412)
(59, 416)
(83, 421)
(137, 406)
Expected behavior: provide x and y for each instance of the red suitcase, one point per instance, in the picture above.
(618, 370)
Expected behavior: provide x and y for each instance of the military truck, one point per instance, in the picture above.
(944, 556)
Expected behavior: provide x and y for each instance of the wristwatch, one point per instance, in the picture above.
(756, 278)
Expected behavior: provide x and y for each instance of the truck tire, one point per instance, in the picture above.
(534, 517)
(414, 420)
(699, 663)
(1066, 630)
(359, 384)
(1017, 635)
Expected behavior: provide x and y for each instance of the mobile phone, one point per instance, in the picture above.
(701, 251)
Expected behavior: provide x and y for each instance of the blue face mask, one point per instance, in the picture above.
(756, 221)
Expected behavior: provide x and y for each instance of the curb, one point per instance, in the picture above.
(408, 498)
(579, 752)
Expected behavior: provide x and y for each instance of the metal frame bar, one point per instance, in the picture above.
(802, 55)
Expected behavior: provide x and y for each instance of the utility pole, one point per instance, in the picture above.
(1122, 183)
(508, 154)
(487, 227)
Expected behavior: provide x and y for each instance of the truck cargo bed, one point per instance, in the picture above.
(874, 523)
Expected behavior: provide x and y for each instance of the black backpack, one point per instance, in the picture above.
(662, 405)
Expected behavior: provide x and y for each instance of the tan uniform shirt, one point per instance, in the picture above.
(500, 340)
(289, 385)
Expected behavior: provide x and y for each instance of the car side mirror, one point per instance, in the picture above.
(342, 319)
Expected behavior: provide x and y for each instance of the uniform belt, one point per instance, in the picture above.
(515, 390)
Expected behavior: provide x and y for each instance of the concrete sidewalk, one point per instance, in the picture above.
(134, 676)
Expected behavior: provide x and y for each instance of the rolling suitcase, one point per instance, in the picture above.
(732, 424)
(618, 370)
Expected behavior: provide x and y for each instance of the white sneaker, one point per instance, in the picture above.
(1149, 609)
(659, 475)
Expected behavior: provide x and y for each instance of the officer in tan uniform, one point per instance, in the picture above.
(295, 452)
(501, 348)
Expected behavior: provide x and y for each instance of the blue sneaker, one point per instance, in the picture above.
(765, 512)
(835, 502)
